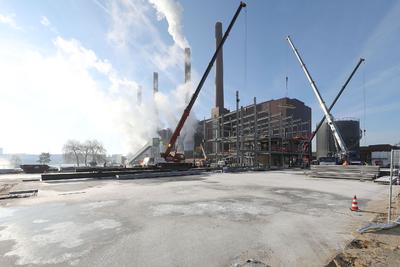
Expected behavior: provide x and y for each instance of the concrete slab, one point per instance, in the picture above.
(278, 218)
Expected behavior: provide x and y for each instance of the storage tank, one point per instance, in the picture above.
(351, 135)
(325, 147)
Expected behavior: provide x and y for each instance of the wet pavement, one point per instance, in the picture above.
(275, 218)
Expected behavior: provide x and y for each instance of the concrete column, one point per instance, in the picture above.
(255, 130)
(222, 135)
(281, 137)
(216, 128)
(269, 135)
(204, 132)
(237, 127)
(241, 134)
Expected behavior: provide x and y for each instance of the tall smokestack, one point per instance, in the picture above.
(187, 65)
(187, 74)
(219, 70)
(155, 82)
(139, 95)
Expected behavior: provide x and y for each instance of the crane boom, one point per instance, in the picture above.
(328, 115)
(167, 154)
(336, 98)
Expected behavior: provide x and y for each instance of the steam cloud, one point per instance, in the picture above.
(84, 96)
(172, 11)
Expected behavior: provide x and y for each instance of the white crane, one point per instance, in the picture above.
(329, 118)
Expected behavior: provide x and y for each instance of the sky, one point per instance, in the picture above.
(71, 69)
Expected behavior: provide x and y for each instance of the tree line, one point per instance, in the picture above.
(90, 152)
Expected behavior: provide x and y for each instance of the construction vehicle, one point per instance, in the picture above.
(343, 152)
(306, 144)
(204, 162)
(169, 155)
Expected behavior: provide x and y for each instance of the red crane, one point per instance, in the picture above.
(178, 157)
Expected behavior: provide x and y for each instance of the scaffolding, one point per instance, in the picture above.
(256, 136)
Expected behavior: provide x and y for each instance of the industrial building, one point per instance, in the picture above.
(269, 133)
(350, 132)
(378, 155)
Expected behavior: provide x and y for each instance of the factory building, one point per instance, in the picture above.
(269, 133)
(378, 155)
(350, 132)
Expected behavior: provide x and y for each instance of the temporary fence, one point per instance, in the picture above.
(394, 181)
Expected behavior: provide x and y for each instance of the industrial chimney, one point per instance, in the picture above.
(187, 73)
(187, 65)
(155, 83)
(219, 75)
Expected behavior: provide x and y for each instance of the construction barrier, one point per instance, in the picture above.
(355, 172)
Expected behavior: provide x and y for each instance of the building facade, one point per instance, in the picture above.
(270, 133)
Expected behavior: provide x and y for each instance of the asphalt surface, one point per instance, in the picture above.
(277, 218)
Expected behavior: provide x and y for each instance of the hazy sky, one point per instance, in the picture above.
(71, 69)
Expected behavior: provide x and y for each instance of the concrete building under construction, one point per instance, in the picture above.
(269, 133)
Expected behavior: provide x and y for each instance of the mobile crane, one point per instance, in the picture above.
(307, 149)
(341, 146)
(175, 157)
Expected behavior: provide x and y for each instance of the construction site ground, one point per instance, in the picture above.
(378, 248)
(276, 218)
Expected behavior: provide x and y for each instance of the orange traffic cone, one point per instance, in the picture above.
(354, 204)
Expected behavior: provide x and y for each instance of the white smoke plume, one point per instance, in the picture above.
(131, 21)
(172, 11)
(5, 163)
(83, 96)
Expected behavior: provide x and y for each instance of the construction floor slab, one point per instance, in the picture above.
(281, 218)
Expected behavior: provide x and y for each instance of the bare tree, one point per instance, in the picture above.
(73, 150)
(90, 152)
(15, 161)
(86, 149)
(44, 158)
(97, 151)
